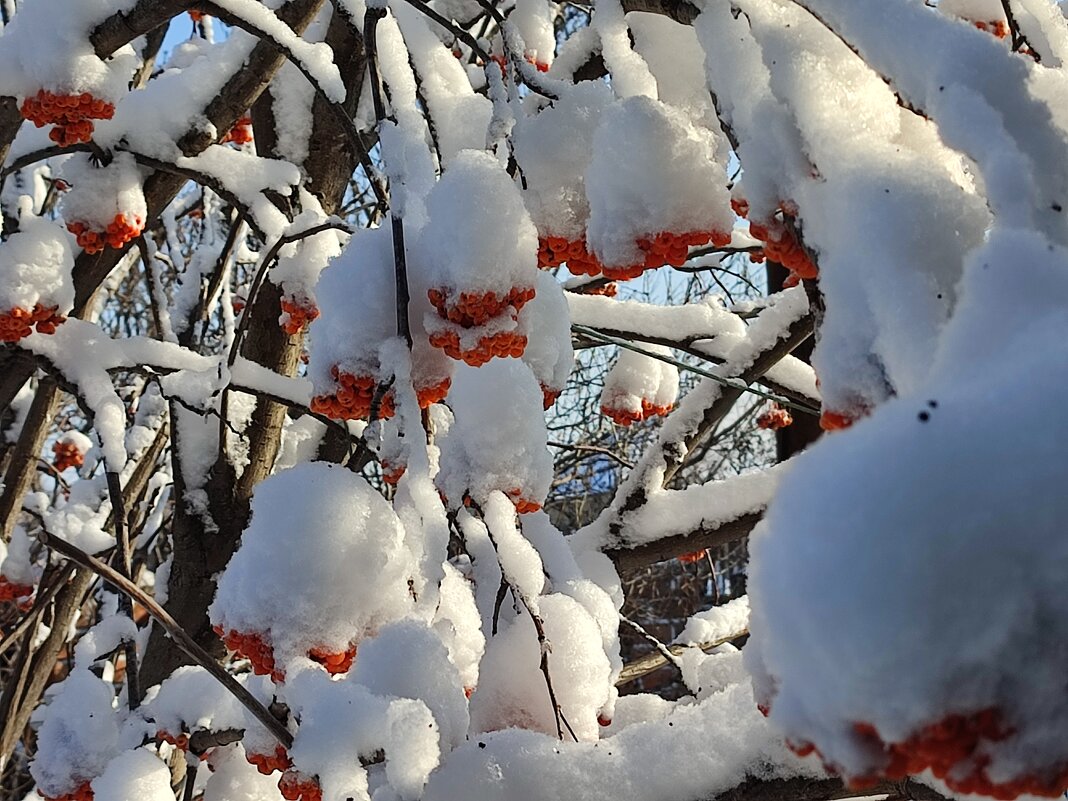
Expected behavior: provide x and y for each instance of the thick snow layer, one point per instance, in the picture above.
(137, 775)
(699, 751)
(35, 265)
(676, 186)
(498, 438)
(479, 237)
(78, 736)
(897, 560)
(409, 660)
(554, 148)
(511, 690)
(350, 577)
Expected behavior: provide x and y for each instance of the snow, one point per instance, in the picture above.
(78, 735)
(911, 521)
(707, 749)
(717, 623)
(137, 775)
(74, 68)
(677, 186)
(350, 578)
(511, 690)
(473, 197)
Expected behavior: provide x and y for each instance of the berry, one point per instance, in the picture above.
(254, 647)
(353, 399)
(692, 558)
(241, 133)
(774, 418)
(626, 417)
(296, 786)
(522, 505)
(67, 455)
(334, 662)
(196, 16)
(181, 741)
(296, 314)
(998, 29)
(269, 763)
(83, 792)
(472, 309)
(71, 115)
(835, 421)
(17, 323)
(118, 232)
(392, 474)
(503, 344)
(549, 396)
(10, 591)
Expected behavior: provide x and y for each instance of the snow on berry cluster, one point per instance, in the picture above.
(105, 206)
(358, 316)
(498, 439)
(349, 579)
(476, 283)
(928, 668)
(667, 194)
(35, 282)
(639, 387)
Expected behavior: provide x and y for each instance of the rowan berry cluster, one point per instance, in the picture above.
(952, 749)
(255, 648)
(671, 248)
(296, 314)
(471, 311)
(781, 242)
(241, 133)
(297, 786)
(335, 662)
(11, 591)
(554, 251)
(18, 323)
(692, 557)
(67, 454)
(83, 792)
(269, 763)
(625, 416)
(999, 29)
(71, 115)
(774, 418)
(195, 15)
(353, 398)
(393, 473)
(118, 232)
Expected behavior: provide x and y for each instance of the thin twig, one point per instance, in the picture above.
(182, 639)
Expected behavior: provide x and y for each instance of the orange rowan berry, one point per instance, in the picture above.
(335, 662)
(11, 591)
(297, 314)
(66, 455)
(693, 557)
(774, 418)
(83, 792)
(241, 133)
(269, 763)
(296, 786)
